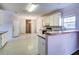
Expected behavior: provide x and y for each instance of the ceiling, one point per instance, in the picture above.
(42, 9)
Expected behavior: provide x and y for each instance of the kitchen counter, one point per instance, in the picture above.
(42, 36)
(61, 32)
(2, 32)
(63, 42)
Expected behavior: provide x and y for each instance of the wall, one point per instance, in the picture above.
(35, 21)
(23, 24)
(72, 10)
(39, 25)
(16, 26)
(7, 22)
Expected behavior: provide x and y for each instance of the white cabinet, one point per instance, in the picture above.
(63, 44)
(41, 45)
(55, 45)
(71, 43)
(52, 20)
(46, 20)
(55, 19)
(3, 39)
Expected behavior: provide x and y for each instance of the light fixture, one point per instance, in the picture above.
(31, 7)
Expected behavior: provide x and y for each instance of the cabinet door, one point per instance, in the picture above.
(43, 21)
(51, 20)
(70, 43)
(46, 20)
(56, 19)
(41, 46)
(55, 45)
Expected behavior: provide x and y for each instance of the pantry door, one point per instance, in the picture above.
(28, 26)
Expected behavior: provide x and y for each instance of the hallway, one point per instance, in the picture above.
(23, 45)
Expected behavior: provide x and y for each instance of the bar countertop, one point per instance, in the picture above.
(61, 32)
(57, 33)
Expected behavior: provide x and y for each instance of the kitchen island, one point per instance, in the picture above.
(61, 42)
(3, 38)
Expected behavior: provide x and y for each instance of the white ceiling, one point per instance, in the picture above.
(42, 9)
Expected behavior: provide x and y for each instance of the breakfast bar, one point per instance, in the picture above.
(62, 42)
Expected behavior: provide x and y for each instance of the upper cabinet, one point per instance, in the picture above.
(52, 20)
(55, 19)
(46, 20)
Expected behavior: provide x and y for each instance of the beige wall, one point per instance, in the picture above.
(39, 25)
(16, 26)
(35, 21)
(1, 17)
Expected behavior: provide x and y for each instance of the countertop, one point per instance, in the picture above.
(42, 36)
(61, 32)
(2, 32)
(57, 32)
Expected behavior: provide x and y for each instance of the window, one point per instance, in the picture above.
(70, 22)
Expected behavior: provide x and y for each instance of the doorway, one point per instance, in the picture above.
(28, 26)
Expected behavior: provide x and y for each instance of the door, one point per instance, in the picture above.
(28, 26)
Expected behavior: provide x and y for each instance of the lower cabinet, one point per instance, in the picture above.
(3, 39)
(41, 46)
(63, 44)
(55, 45)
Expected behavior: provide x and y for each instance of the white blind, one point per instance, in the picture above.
(70, 22)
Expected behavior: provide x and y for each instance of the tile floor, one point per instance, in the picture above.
(24, 45)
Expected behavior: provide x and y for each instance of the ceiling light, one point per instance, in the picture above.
(31, 7)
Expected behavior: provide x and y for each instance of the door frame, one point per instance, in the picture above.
(28, 21)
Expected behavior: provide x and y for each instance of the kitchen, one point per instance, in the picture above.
(57, 31)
